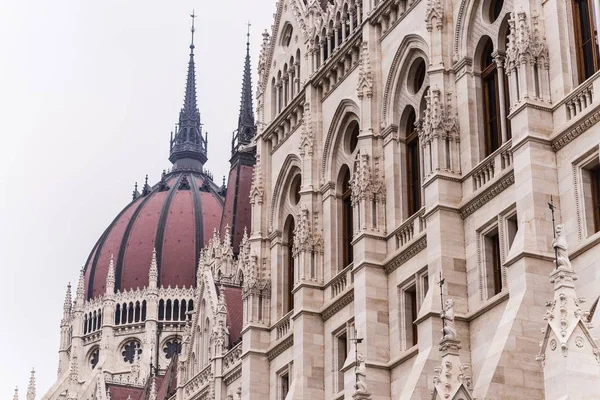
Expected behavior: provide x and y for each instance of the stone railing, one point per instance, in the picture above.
(341, 63)
(577, 102)
(339, 283)
(283, 326)
(488, 169)
(410, 228)
(233, 357)
(198, 382)
(125, 379)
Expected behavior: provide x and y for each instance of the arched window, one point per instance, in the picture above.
(118, 314)
(412, 165)
(191, 305)
(85, 324)
(585, 41)
(273, 98)
(93, 322)
(161, 310)
(288, 272)
(491, 102)
(124, 313)
(347, 224)
(318, 50)
(130, 313)
(99, 319)
(183, 311)
(144, 310)
(169, 310)
(176, 310)
(138, 311)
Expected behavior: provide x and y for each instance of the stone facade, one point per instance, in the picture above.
(399, 143)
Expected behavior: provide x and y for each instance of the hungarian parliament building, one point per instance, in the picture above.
(412, 211)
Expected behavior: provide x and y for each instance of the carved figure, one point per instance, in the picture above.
(361, 376)
(560, 246)
(447, 315)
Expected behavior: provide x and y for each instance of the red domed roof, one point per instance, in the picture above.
(176, 216)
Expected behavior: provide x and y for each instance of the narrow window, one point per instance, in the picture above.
(591, 196)
(410, 315)
(347, 220)
(138, 311)
(176, 310)
(169, 309)
(492, 263)
(289, 271)
(144, 310)
(161, 310)
(341, 354)
(285, 385)
(491, 110)
(183, 311)
(85, 324)
(585, 41)
(124, 314)
(412, 165)
(511, 229)
(130, 313)
(118, 314)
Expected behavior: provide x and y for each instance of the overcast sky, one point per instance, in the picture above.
(89, 92)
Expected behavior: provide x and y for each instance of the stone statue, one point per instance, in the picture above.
(447, 315)
(361, 376)
(560, 247)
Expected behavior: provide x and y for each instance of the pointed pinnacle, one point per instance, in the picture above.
(80, 289)
(110, 277)
(153, 273)
(31, 387)
(68, 303)
(16, 395)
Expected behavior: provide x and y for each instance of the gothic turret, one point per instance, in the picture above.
(246, 129)
(236, 214)
(188, 148)
(31, 386)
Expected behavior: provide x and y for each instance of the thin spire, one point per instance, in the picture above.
(31, 387)
(16, 395)
(187, 142)
(246, 125)
(110, 277)
(68, 304)
(80, 296)
(153, 272)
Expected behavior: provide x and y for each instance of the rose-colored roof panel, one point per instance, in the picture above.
(110, 246)
(212, 210)
(229, 201)
(167, 219)
(179, 243)
(140, 243)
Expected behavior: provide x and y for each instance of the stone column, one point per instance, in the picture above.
(499, 58)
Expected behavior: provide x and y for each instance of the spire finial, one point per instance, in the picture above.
(193, 29)
(31, 387)
(67, 306)
(246, 126)
(187, 146)
(16, 395)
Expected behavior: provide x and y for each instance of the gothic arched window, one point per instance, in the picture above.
(171, 348)
(491, 103)
(347, 218)
(586, 49)
(288, 272)
(412, 165)
(131, 351)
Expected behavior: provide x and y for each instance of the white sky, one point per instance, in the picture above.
(89, 92)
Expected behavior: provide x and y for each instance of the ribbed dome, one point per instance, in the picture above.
(176, 216)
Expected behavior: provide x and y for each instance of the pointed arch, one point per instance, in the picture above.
(410, 45)
(291, 163)
(346, 112)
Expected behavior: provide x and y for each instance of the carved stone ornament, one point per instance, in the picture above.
(365, 76)
(434, 12)
(447, 314)
(256, 190)
(306, 135)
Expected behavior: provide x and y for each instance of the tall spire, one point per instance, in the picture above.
(67, 306)
(246, 125)
(188, 147)
(31, 387)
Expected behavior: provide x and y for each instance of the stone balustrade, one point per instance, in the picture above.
(233, 357)
(339, 283)
(576, 103)
(409, 229)
(488, 169)
(283, 326)
(197, 383)
(286, 122)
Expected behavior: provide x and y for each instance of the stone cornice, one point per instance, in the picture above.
(412, 250)
(337, 305)
(488, 194)
(280, 347)
(565, 137)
